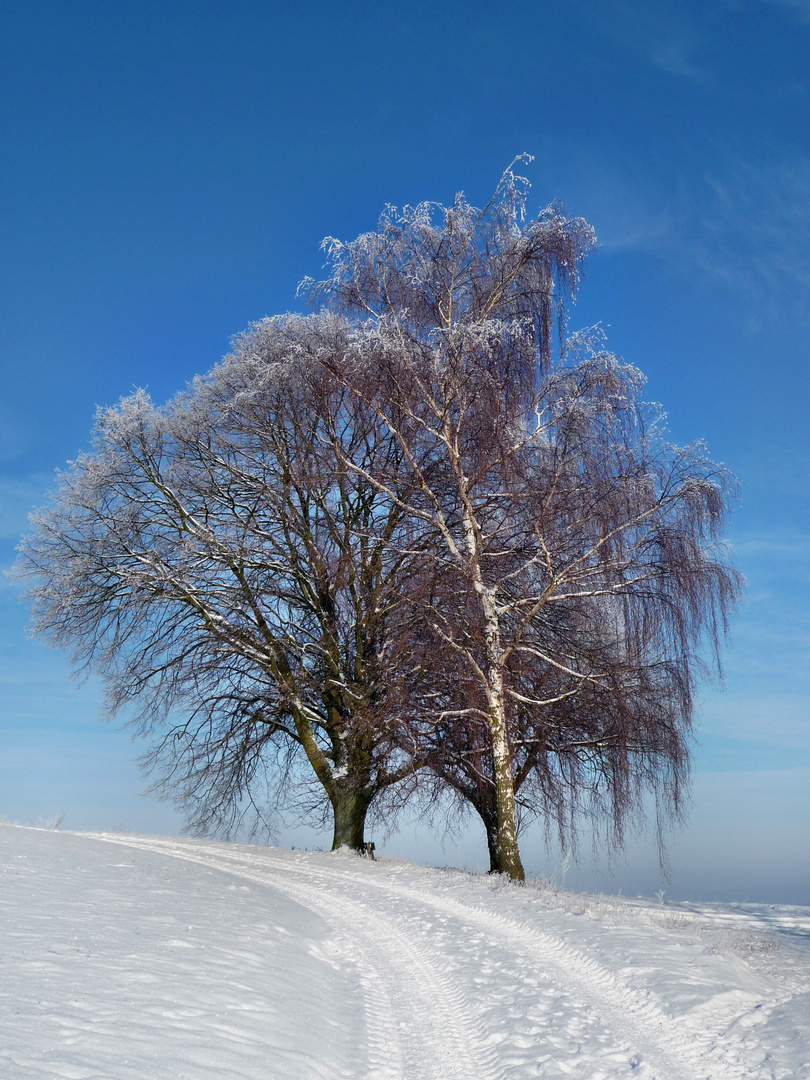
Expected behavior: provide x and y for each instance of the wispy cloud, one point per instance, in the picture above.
(753, 229)
(774, 722)
(784, 546)
(625, 212)
(743, 224)
(665, 37)
(627, 220)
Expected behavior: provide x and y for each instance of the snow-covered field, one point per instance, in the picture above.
(127, 956)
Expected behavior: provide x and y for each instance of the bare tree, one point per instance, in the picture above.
(594, 754)
(579, 551)
(237, 587)
(417, 530)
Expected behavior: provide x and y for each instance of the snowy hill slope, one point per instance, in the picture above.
(128, 956)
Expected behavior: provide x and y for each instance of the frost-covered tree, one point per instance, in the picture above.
(582, 750)
(416, 530)
(235, 585)
(577, 552)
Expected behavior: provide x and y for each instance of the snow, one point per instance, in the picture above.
(129, 956)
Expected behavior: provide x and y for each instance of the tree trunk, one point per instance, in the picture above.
(509, 855)
(350, 800)
(506, 838)
(350, 806)
(491, 826)
(506, 843)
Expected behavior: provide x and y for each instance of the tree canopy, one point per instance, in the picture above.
(579, 552)
(418, 541)
(235, 585)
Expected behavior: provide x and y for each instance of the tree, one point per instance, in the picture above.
(579, 552)
(416, 529)
(237, 588)
(593, 754)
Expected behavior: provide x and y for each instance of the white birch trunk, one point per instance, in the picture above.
(506, 839)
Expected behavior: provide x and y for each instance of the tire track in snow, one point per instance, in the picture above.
(683, 1047)
(674, 1048)
(639, 1023)
(436, 1038)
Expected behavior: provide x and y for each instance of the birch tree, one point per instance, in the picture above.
(595, 752)
(574, 542)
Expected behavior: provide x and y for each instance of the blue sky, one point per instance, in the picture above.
(168, 171)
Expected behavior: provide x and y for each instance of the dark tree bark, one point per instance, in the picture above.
(350, 803)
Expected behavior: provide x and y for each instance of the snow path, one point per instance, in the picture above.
(390, 925)
(392, 972)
